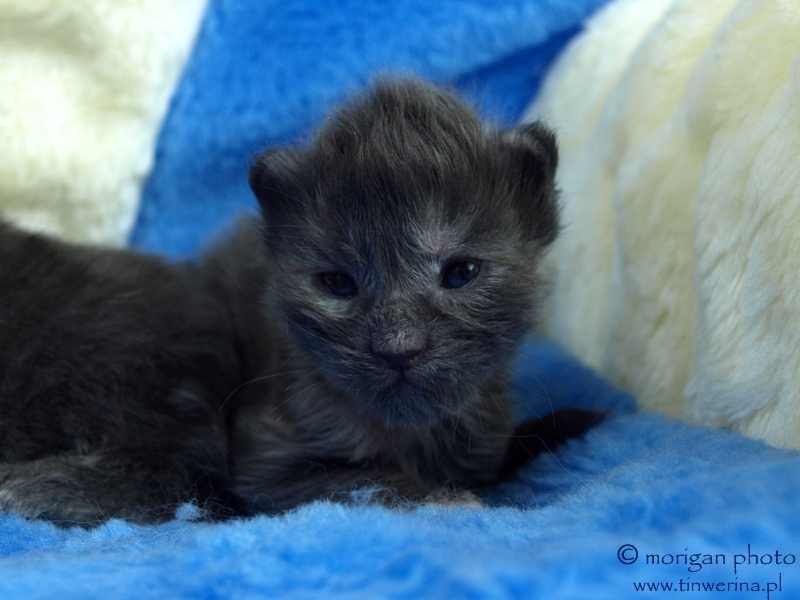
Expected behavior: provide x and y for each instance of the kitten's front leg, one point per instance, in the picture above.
(286, 476)
(277, 487)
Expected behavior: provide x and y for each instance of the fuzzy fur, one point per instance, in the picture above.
(129, 385)
(86, 86)
(111, 370)
(676, 274)
(395, 186)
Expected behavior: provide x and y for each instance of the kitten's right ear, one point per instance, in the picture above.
(533, 158)
(273, 179)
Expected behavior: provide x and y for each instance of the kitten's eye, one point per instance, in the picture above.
(339, 284)
(460, 274)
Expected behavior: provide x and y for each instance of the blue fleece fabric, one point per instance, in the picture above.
(638, 489)
(637, 486)
(264, 73)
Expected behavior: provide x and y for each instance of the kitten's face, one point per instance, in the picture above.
(405, 243)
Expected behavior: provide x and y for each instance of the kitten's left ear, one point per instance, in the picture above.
(533, 158)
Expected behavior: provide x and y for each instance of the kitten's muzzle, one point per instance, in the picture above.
(397, 340)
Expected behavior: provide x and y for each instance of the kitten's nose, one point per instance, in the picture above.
(399, 361)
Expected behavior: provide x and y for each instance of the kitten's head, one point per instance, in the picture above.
(405, 241)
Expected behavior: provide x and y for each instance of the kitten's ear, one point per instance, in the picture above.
(273, 179)
(533, 155)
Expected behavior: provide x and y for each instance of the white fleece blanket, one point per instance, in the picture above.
(84, 86)
(678, 272)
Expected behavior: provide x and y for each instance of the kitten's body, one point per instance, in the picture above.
(111, 370)
(359, 333)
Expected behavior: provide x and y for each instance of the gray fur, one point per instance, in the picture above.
(129, 385)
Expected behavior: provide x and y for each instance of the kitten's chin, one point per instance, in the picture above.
(404, 404)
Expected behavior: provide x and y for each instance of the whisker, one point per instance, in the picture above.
(254, 380)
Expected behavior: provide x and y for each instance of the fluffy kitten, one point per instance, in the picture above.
(355, 335)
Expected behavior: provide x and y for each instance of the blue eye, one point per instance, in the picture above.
(460, 274)
(339, 284)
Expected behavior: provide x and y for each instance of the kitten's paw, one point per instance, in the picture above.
(454, 498)
(49, 500)
(9, 503)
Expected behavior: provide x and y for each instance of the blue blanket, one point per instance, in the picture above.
(265, 73)
(640, 502)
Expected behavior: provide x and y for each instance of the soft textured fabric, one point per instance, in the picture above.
(261, 72)
(264, 73)
(558, 531)
(84, 87)
(676, 274)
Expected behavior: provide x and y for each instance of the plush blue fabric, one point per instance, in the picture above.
(264, 71)
(664, 487)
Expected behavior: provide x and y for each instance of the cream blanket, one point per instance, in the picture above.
(678, 272)
(84, 86)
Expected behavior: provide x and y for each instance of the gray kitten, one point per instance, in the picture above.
(355, 336)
